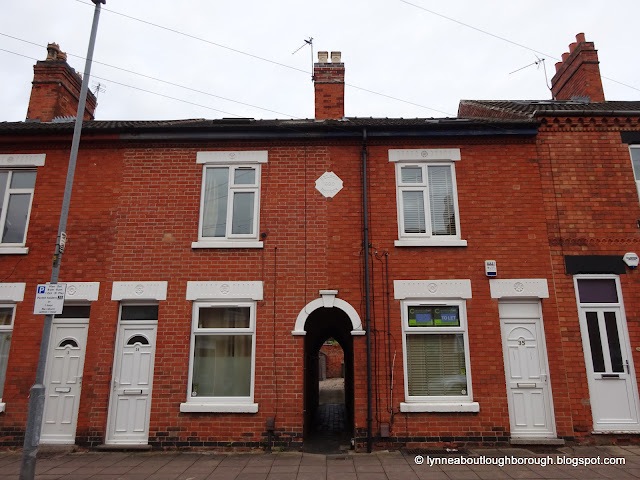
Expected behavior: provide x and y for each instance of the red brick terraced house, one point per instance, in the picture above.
(470, 268)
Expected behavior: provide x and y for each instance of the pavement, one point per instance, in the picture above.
(517, 463)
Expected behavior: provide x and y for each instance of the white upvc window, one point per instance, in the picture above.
(16, 196)
(635, 161)
(427, 197)
(230, 199)
(17, 182)
(436, 356)
(222, 359)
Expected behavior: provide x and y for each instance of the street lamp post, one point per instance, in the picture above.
(37, 395)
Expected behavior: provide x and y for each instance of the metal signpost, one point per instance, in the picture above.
(46, 293)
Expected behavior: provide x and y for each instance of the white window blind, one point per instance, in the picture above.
(443, 217)
(436, 365)
(413, 211)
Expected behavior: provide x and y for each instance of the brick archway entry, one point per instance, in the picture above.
(320, 320)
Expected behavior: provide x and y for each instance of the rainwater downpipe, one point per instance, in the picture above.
(365, 211)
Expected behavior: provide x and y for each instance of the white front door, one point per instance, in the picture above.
(526, 370)
(63, 380)
(612, 387)
(130, 402)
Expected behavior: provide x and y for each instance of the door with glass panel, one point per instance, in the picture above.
(612, 386)
(63, 376)
(132, 381)
(526, 370)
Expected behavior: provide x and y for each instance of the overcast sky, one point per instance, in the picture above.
(242, 50)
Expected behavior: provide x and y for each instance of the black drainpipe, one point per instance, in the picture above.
(365, 211)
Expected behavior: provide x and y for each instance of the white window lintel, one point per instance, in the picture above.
(519, 287)
(426, 289)
(139, 291)
(424, 155)
(82, 291)
(22, 160)
(224, 291)
(232, 157)
(12, 292)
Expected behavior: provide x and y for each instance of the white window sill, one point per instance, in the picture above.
(472, 407)
(219, 407)
(227, 244)
(2, 407)
(14, 250)
(430, 242)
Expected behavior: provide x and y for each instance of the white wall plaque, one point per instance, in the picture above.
(329, 184)
(139, 291)
(224, 290)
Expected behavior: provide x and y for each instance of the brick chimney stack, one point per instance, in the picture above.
(56, 89)
(578, 75)
(328, 79)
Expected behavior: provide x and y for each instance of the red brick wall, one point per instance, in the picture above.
(592, 209)
(56, 92)
(335, 359)
(135, 213)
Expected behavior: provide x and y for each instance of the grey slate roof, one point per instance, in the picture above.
(540, 108)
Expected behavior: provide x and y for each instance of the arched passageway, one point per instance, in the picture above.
(321, 325)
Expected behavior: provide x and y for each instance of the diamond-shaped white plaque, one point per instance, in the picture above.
(329, 184)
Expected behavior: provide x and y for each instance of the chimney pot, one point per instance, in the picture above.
(335, 57)
(580, 38)
(573, 46)
(565, 56)
(323, 57)
(558, 66)
(53, 51)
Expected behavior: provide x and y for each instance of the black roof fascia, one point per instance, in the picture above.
(352, 128)
(528, 129)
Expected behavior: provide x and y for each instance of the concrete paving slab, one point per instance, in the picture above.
(302, 466)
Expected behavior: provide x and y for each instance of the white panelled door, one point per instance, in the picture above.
(526, 370)
(130, 403)
(63, 381)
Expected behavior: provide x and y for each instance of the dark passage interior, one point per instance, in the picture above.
(328, 419)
